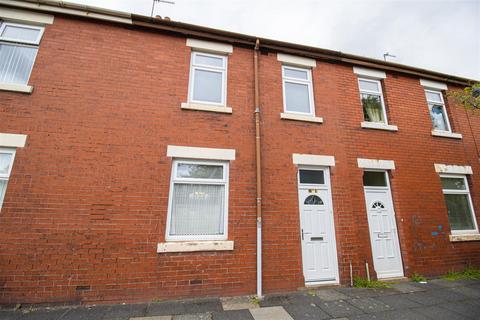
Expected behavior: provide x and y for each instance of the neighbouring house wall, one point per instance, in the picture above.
(86, 203)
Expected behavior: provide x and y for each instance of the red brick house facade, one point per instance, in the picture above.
(120, 183)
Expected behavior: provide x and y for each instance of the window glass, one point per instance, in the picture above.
(459, 212)
(209, 60)
(372, 108)
(16, 63)
(313, 200)
(20, 33)
(5, 162)
(453, 183)
(374, 179)
(295, 73)
(199, 171)
(369, 85)
(312, 177)
(3, 189)
(433, 96)
(208, 86)
(438, 118)
(297, 97)
(197, 210)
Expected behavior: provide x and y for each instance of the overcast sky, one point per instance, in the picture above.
(441, 35)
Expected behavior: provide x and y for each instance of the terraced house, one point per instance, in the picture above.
(143, 158)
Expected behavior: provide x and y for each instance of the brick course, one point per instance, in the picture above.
(86, 203)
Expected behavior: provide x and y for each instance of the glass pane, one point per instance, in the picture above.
(453, 183)
(314, 200)
(3, 189)
(20, 33)
(297, 97)
(312, 176)
(368, 85)
(208, 86)
(374, 179)
(433, 96)
(438, 118)
(459, 213)
(209, 61)
(5, 162)
(16, 63)
(372, 108)
(197, 209)
(199, 171)
(294, 73)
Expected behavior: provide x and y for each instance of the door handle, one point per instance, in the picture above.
(302, 233)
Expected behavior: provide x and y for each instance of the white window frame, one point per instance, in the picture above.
(6, 176)
(174, 180)
(223, 70)
(307, 82)
(371, 92)
(4, 24)
(430, 103)
(469, 197)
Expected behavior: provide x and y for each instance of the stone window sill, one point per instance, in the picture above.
(464, 237)
(194, 246)
(206, 107)
(378, 126)
(16, 87)
(446, 134)
(299, 117)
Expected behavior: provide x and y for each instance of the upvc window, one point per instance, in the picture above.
(18, 49)
(208, 78)
(198, 203)
(438, 113)
(298, 90)
(459, 204)
(6, 162)
(372, 100)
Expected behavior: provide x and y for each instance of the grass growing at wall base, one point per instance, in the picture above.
(468, 273)
(364, 283)
(418, 278)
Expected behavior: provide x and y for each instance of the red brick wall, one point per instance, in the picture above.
(86, 204)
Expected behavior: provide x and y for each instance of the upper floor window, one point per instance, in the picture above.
(372, 100)
(208, 78)
(438, 113)
(198, 201)
(6, 162)
(298, 90)
(18, 49)
(459, 204)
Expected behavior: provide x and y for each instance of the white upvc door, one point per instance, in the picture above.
(387, 257)
(319, 253)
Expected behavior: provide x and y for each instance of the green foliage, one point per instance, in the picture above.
(255, 300)
(469, 97)
(364, 283)
(468, 273)
(418, 278)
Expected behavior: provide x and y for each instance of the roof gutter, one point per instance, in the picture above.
(229, 37)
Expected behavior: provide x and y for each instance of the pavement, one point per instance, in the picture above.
(438, 299)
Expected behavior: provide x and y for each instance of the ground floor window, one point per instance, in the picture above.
(459, 204)
(198, 203)
(6, 163)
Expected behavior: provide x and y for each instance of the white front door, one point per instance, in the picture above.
(387, 258)
(319, 252)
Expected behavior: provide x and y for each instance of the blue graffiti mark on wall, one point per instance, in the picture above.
(434, 233)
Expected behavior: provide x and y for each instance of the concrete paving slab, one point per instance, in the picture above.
(10, 315)
(275, 300)
(330, 295)
(197, 316)
(90, 313)
(153, 318)
(125, 311)
(398, 302)
(359, 293)
(426, 286)
(164, 309)
(238, 303)
(406, 287)
(425, 298)
(465, 308)
(449, 295)
(339, 308)
(370, 305)
(270, 313)
(391, 315)
(438, 313)
(43, 314)
(233, 315)
(306, 312)
(467, 291)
